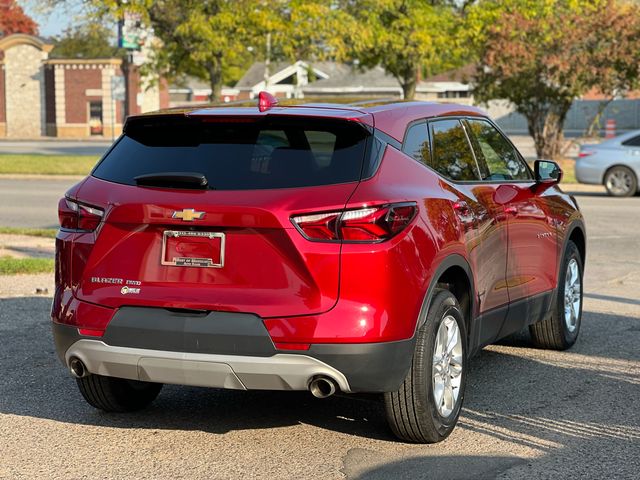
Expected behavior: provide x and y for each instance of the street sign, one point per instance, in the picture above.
(117, 88)
(131, 34)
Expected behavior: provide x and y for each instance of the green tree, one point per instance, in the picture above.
(218, 39)
(406, 37)
(543, 54)
(212, 38)
(89, 40)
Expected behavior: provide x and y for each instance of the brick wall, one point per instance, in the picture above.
(164, 93)
(76, 83)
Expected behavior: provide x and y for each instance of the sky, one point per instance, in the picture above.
(49, 23)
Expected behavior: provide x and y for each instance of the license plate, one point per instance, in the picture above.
(193, 249)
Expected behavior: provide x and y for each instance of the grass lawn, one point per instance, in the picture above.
(14, 266)
(32, 232)
(568, 170)
(47, 164)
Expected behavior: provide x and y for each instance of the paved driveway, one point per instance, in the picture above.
(529, 414)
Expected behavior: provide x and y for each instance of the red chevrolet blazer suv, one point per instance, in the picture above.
(372, 247)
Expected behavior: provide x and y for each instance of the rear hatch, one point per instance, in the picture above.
(197, 213)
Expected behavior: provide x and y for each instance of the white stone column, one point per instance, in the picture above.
(108, 104)
(24, 84)
(61, 106)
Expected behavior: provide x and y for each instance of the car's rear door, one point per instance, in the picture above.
(482, 219)
(532, 246)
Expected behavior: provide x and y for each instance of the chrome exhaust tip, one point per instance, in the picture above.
(77, 368)
(322, 387)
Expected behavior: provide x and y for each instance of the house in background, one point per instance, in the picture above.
(355, 83)
(285, 79)
(452, 86)
(330, 79)
(193, 91)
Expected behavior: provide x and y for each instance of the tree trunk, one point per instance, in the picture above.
(215, 79)
(546, 127)
(594, 125)
(408, 83)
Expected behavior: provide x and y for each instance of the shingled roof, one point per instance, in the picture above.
(349, 78)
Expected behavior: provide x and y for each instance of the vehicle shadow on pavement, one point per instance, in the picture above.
(34, 383)
(365, 464)
(539, 399)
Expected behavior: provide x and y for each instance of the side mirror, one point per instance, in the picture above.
(547, 172)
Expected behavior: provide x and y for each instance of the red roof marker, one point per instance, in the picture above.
(266, 101)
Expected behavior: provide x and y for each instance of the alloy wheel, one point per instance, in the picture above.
(572, 295)
(447, 366)
(619, 182)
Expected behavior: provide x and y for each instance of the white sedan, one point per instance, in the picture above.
(614, 163)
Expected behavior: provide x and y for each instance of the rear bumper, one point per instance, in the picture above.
(588, 173)
(226, 350)
(238, 372)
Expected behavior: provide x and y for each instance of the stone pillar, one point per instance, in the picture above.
(3, 99)
(24, 82)
(58, 76)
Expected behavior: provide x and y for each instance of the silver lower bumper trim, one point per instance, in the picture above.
(279, 372)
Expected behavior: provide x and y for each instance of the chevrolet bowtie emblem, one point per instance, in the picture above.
(188, 215)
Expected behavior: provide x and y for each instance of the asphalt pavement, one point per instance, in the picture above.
(54, 147)
(32, 201)
(528, 413)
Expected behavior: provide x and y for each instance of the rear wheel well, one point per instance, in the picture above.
(455, 280)
(577, 237)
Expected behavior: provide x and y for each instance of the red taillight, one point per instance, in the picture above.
(371, 224)
(76, 216)
(585, 153)
(90, 332)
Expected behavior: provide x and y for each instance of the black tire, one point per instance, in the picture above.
(553, 332)
(628, 190)
(117, 394)
(411, 411)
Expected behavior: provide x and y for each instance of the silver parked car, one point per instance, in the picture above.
(614, 163)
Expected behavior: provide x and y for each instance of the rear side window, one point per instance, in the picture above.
(632, 142)
(240, 153)
(497, 158)
(452, 155)
(416, 143)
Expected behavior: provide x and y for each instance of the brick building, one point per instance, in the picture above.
(67, 98)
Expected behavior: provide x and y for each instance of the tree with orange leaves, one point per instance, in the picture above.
(543, 54)
(14, 20)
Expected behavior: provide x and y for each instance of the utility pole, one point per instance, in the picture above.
(267, 61)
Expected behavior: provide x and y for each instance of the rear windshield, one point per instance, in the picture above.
(240, 153)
